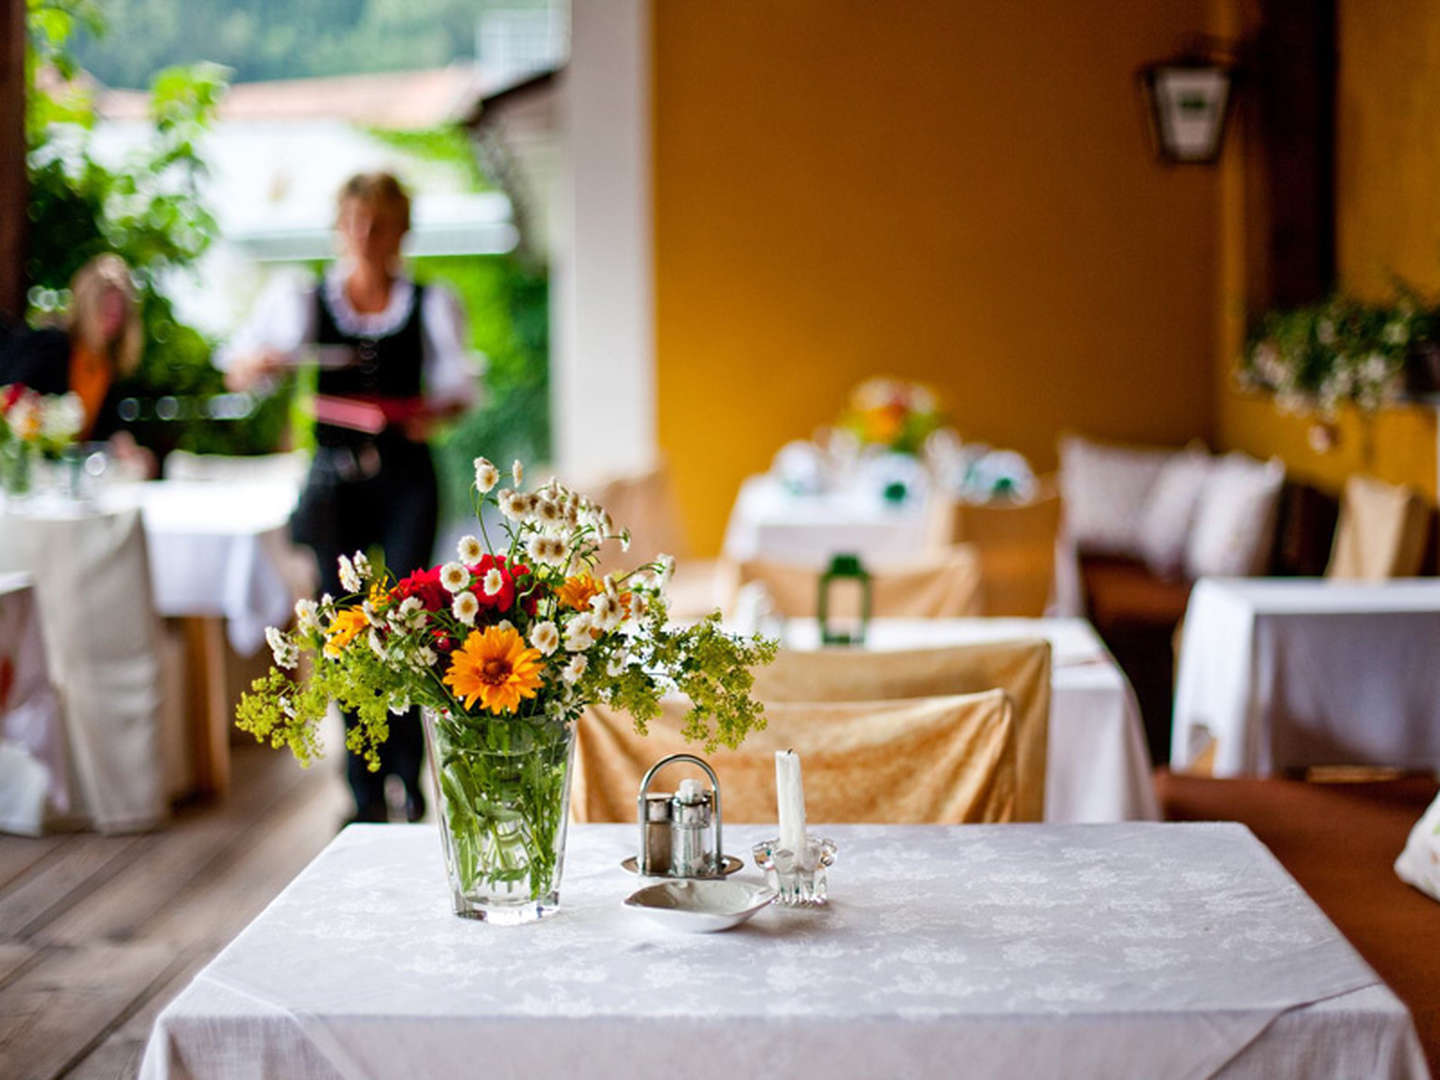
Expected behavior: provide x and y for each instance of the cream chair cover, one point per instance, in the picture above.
(1381, 534)
(1021, 668)
(944, 586)
(92, 580)
(1015, 543)
(945, 760)
(289, 467)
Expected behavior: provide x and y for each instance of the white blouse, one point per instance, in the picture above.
(284, 319)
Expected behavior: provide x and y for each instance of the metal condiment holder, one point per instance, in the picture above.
(673, 828)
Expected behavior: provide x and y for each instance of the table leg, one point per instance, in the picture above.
(209, 710)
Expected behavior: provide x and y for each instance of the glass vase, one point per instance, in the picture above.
(502, 788)
(16, 468)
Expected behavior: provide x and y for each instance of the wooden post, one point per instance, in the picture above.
(13, 189)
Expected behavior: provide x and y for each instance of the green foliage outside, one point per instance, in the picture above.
(285, 39)
(148, 211)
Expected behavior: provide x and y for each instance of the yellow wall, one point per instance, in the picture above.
(1387, 223)
(955, 192)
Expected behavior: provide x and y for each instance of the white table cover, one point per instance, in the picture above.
(770, 522)
(1096, 766)
(33, 774)
(1132, 950)
(1286, 673)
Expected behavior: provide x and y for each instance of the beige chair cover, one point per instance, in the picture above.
(943, 586)
(1381, 534)
(92, 580)
(1015, 543)
(1021, 668)
(944, 760)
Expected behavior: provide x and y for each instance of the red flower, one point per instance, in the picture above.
(13, 393)
(424, 584)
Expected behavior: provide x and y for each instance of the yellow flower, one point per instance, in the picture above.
(495, 667)
(343, 629)
(577, 591)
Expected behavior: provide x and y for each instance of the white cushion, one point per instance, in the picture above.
(1235, 521)
(1105, 489)
(1419, 863)
(1166, 521)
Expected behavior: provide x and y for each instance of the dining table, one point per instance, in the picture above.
(1080, 951)
(1097, 768)
(1285, 674)
(34, 780)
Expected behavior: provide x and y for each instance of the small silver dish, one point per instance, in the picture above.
(699, 905)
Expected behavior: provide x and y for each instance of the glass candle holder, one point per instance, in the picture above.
(800, 879)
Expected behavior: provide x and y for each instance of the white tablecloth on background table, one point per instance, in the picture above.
(215, 550)
(1286, 673)
(34, 781)
(770, 522)
(1096, 765)
(1131, 950)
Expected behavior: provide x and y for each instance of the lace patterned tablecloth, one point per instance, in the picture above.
(1142, 950)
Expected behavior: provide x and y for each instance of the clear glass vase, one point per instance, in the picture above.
(502, 790)
(16, 468)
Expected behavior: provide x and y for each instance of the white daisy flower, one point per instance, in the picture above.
(307, 614)
(362, 564)
(545, 637)
(377, 645)
(454, 576)
(349, 579)
(580, 632)
(625, 540)
(492, 584)
(549, 514)
(465, 607)
(504, 624)
(606, 611)
(667, 567)
(616, 666)
(517, 472)
(486, 474)
(469, 550)
(286, 653)
(572, 671)
(425, 656)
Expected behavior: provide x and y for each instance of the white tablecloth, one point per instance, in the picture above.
(1283, 673)
(33, 778)
(1096, 768)
(215, 549)
(770, 522)
(1133, 950)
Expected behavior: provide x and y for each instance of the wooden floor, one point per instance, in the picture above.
(98, 933)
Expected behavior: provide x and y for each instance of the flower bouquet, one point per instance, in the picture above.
(891, 414)
(502, 648)
(32, 423)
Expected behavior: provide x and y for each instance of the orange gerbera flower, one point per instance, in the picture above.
(577, 591)
(495, 667)
(343, 629)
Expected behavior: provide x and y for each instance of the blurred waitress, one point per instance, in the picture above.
(391, 362)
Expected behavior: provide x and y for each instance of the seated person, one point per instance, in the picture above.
(100, 344)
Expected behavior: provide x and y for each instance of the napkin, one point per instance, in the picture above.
(1419, 863)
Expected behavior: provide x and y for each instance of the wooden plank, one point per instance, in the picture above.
(13, 957)
(118, 1055)
(19, 853)
(80, 865)
(53, 1013)
(189, 849)
(219, 904)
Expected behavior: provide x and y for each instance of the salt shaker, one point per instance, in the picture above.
(691, 811)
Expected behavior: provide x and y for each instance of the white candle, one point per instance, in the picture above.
(790, 792)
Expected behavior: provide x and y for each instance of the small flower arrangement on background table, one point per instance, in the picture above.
(33, 424)
(892, 414)
(502, 648)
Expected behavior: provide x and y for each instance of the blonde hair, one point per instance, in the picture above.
(87, 288)
(377, 189)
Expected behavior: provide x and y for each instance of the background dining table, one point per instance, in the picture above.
(1097, 768)
(1287, 673)
(1092, 951)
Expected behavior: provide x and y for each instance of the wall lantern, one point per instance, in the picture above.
(1188, 101)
